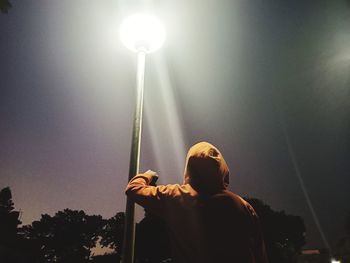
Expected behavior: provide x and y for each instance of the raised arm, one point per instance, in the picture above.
(142, 192)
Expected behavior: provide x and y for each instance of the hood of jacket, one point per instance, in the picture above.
(206, 169)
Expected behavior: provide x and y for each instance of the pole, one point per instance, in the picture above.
(129, 231)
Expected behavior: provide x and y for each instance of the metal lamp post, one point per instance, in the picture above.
(143, 34)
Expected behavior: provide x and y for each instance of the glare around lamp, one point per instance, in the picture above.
(142, 33)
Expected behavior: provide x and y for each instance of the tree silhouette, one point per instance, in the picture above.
(9, 222)
(67, 237)
(113, 232)
(9, 218)
(284, 234)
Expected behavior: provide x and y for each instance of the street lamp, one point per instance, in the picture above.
(143, 34)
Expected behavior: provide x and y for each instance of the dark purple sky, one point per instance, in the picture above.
(266, 81)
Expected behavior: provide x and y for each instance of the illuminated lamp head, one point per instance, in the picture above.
(142, 33)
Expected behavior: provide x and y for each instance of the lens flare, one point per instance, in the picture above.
(142, 32)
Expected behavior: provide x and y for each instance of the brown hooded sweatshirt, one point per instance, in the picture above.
(206, 222)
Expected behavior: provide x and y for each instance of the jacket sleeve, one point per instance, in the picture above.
(148, 196)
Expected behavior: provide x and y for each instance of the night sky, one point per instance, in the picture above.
(267, 82)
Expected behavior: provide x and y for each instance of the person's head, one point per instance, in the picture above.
(206, 170)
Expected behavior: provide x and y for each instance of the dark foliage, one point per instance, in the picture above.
(8, 217)
(112, 233)
(9, 222)
(109, 258)
(284, 234)
(68, 236)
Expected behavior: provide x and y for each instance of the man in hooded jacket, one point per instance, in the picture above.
(206, 222)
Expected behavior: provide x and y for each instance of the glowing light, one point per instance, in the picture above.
(142, 32)
(335, 261)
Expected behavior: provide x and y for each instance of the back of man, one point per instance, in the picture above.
(206, 222)
(232, 231)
